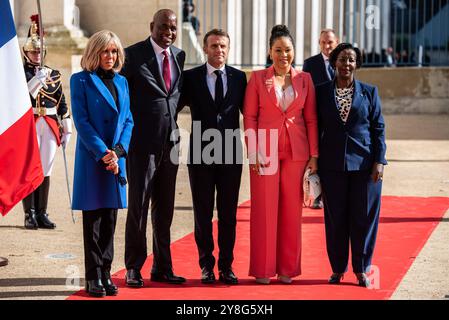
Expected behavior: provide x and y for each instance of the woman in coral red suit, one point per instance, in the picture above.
(280, 103)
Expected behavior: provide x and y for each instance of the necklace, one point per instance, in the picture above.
(285, 75)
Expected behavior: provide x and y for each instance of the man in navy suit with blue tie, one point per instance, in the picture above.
(215, 93)
(321, 71)
(318, 66)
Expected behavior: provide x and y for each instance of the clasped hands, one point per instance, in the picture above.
(111, 161)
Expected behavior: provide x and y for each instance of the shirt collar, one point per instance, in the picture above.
(326, 58)
(210, 69)
(157, 49)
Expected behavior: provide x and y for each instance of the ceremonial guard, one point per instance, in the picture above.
(53, 123)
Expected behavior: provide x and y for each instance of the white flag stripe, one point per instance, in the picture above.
(13, 103)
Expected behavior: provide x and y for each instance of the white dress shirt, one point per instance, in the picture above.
(285, 96)
(212, 78)
(160, 58)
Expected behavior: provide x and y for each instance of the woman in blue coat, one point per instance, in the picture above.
(100, 107)
(351, 164)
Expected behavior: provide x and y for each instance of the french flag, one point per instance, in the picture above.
(20, 164)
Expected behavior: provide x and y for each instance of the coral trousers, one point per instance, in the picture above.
(276, 212)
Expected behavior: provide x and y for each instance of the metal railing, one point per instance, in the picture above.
(389, 33)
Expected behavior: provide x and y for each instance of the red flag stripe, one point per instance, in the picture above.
(20, 166)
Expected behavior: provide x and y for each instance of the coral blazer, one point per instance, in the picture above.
(262, 111)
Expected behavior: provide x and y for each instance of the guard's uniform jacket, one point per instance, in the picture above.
(49, 103)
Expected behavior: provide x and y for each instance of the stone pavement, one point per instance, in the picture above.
(47, 264)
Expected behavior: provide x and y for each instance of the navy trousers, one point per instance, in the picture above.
(351, 215)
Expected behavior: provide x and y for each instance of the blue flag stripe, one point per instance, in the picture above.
(7, 28)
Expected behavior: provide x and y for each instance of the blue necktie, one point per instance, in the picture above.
(331, 71)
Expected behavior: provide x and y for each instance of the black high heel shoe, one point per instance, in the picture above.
(95, 288)
(336, 278)
(363, 280)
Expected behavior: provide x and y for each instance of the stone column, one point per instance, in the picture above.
(351, 21)
(362, 25)
(329, 14)
(385, 24)
(234, 22)
(259, 27)
(341, 21)
(278, 11)
(300, 31)
(315, 29)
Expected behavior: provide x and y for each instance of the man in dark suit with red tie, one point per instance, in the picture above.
(215, 93)
(153, 68)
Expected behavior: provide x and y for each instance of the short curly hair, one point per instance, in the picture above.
(343, 46)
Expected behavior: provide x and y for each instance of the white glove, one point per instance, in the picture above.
(38, 81)
(65, 139)
(66, 131)
(42, 74)
(66, 125)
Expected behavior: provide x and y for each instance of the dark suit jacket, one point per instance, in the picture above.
(153, 109)
(360, 142)
(196, 94)
(317, 68)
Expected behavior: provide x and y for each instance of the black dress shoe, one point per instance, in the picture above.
(228, 277)
(95, 288)
(43, 222)
(168, 277)
(30, 220)
(109, 286)
(207, 276)
(363, 280)
(133, 279)
(336, 278)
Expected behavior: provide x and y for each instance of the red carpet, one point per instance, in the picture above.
(405, 226)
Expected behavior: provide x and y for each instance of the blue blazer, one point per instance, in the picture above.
(356, 145)
(100, 125)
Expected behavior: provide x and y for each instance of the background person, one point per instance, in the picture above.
(321, 71)
(318, 66)
(53, 123)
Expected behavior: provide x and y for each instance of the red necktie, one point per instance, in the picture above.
(166, 71)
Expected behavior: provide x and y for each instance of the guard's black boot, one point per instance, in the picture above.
(30, 212)
(41, 205)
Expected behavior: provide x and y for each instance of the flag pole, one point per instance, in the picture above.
(41, 32)
(41, 38)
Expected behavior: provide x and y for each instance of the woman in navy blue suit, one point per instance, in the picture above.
(100, 106)
(351, 164)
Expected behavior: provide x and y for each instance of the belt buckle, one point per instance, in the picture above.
(41, 112)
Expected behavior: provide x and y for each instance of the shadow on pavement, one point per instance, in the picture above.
(31, 294)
